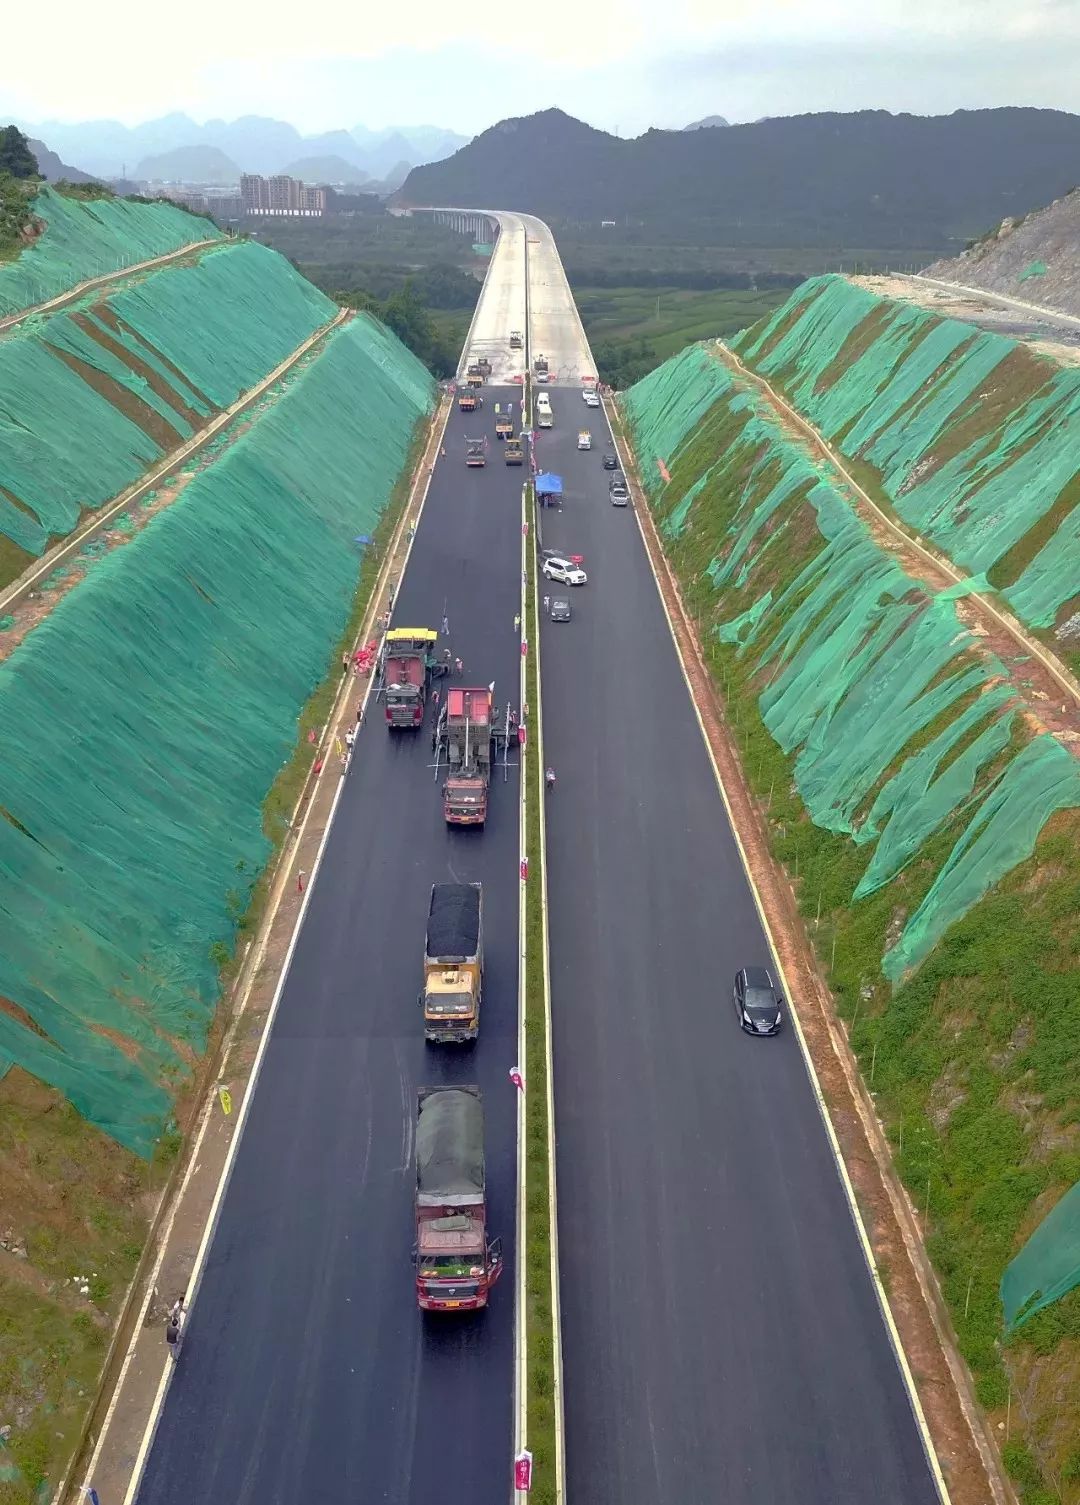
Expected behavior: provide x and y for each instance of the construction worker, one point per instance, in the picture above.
(174, 1327)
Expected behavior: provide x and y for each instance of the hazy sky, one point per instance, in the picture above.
(623, 64)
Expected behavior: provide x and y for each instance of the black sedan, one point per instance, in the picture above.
(758, 1004)
(610, 461)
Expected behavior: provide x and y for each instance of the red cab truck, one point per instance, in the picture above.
(456, 1266)
(468, 735)
(408, 667)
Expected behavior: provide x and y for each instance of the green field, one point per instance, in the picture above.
(633, 329)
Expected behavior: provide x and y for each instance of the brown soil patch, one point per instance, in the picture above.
(967, 1455)
(132, 407)
(36, 605)
(108, 316)
(144, 370)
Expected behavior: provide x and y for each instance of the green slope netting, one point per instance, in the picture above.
(85, 239)
(1048, 1266)
(674, 397)
(893, 396)
(859, 662)
(264, 304)
(183, 661)
(209, 332)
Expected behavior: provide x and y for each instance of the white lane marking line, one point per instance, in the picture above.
(230, 1158)
(834, 1143)
(208, 1106)
(521, 1349)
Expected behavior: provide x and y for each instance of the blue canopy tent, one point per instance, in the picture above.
(549, 490)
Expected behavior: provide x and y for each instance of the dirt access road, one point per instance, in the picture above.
(53, 305)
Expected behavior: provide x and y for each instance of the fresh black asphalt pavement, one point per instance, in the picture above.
(308, 1373)
(721, 1336)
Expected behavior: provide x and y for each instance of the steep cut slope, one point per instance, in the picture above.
(1036, 258)
(82, 239)
(117, 895)
(152, 693)
(971, 438)
(94, 395)
(805, 180)
(927, 820)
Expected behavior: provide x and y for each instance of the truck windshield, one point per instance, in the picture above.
(449, 1003)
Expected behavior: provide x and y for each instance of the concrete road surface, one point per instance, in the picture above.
(308, 1374)
(555, 326)
(721, 1336)
(501, 307)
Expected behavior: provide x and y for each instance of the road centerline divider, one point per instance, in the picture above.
(539, 1421)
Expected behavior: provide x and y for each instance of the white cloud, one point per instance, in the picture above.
(614, 62)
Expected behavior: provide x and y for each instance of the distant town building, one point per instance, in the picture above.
(280, 196)
(187, 198)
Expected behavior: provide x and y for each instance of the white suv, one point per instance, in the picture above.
(556, 568)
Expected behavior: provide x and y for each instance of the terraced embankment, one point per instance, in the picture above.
(145, 719)
(94, 396)
(75, 240)
(920, 788)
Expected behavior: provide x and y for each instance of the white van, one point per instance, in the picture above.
(543, 400)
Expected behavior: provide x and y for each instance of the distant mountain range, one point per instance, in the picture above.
(862, 180)
(704, 125)
(253, 143)
(327, 168)
(52, 169)
(188, 164)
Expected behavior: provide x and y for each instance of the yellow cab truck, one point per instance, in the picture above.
(453, 964)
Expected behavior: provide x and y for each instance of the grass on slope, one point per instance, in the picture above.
(974, 1059)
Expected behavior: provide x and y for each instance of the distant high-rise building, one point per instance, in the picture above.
(280, 195)
(254, 193)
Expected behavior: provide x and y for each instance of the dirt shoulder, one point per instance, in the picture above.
(966, 1453)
